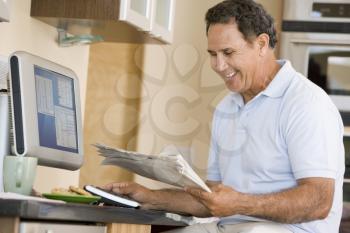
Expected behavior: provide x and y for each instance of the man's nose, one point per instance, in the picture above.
(220, 63)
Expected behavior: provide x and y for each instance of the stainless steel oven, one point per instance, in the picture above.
(316, 39)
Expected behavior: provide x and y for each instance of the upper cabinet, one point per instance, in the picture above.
(4, 10)
(153, 16)
(134, 21)
(137, 13)
(163, 19)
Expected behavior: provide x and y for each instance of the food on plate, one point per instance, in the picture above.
(79, 191)
(72, 190)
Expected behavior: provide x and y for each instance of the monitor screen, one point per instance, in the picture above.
(45, 106)
(56, 110)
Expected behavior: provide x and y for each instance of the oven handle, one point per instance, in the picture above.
(321, 42)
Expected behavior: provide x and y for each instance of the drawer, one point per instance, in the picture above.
(43, 227)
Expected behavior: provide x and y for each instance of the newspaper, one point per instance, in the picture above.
(168, 168)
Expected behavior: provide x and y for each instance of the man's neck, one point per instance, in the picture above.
(269, 71)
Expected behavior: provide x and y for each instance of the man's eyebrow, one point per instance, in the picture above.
(221, 50)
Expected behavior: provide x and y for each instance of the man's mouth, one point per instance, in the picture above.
(230, 76)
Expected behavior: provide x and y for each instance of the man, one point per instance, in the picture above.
(276, 161)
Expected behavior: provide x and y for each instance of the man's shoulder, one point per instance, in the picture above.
(304, 97)
(296, 86)
(302, 90)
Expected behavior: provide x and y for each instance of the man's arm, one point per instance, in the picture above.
(311, 200)
(172, 200)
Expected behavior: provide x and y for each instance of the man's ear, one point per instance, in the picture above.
(263, 42)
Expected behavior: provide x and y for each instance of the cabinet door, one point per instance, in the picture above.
(136, 13)
(163, 12)
(4, 10)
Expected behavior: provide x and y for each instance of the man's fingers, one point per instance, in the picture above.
(120, 188)
(107, 186)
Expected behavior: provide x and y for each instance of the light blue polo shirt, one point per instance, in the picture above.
(289, 131)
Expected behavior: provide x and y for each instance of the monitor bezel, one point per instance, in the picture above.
(46, 156)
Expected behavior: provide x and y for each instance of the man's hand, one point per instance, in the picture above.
(221, 202)
(172, 200)
(133, 190)
(310, 200)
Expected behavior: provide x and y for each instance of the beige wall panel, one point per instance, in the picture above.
(275, 8)
(112, 108)
(29, 34)
(9, 224)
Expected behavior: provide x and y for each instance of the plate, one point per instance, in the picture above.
(72, 198)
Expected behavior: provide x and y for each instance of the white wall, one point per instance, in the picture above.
(28, 34)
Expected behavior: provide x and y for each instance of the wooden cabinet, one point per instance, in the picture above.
(134, 21)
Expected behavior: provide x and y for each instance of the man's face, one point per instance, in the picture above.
(233, 58)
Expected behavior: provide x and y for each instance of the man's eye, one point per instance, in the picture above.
(227, 53)
(212, 54)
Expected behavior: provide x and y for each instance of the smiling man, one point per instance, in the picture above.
(276, 161)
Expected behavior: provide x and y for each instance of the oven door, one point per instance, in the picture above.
(329, 68)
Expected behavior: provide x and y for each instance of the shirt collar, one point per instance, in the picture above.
(276, 87)
(280, 83)
(237, 98)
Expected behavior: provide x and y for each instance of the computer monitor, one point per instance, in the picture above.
(45, 111)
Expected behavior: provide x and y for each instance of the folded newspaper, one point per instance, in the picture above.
(168, 168)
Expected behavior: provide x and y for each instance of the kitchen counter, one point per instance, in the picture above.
(82, 213)
(29, 210)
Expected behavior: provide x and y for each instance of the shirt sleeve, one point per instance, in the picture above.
(213, 171)
(314, 138)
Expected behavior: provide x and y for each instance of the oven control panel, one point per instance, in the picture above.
(331, 10)
(317, 10)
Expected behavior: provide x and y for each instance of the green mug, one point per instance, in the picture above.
(19, 174)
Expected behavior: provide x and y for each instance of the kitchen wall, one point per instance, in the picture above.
(181, 90)
(147, 97)
(28, 34)
(124, 77)
(112, 106)
(139, 97)
(275, 8)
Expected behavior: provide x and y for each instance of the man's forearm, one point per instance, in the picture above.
(301, 204)
(174, 200)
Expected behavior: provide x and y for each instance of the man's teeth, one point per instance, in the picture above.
(230, 75)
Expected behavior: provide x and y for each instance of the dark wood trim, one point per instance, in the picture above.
(82, 9)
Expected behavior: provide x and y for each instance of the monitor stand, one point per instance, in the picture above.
(4, 132)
